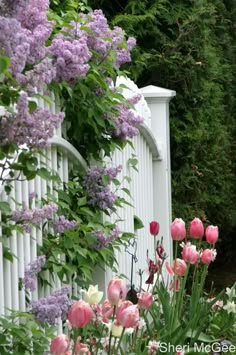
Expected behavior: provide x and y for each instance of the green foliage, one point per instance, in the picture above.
(29, 338)
(74, 253)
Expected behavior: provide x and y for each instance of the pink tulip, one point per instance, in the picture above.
(177, 229)
(179, 267)
(190, 253)
(80, 314)
(122, 307)
(207, 256)
(107, 310)
(116, 291)
(129, 317)
(175, 285)
(196, 229)
(81, 349)
(59, 345)
(145, 300)
(154, 228)
(169, 269)
(212, 234)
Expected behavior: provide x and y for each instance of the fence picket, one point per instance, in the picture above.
(146, 196)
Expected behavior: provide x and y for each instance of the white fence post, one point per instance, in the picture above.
(158, 101)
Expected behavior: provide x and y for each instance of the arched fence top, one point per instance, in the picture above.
(67, 147)
(154, 146)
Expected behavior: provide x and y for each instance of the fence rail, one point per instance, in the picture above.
(149, 187)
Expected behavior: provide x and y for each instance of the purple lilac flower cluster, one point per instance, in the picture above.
(100, 194)
(30, 275)
(51, 308)
(103, 241)
(24, 31)
(102, 39)
(34, 216)
(32, 129)
(71, 57)
(127, 120)
(62, 223)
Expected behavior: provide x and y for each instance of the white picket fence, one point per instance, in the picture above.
(150, 191)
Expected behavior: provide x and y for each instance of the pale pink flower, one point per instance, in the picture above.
(190, 253)
(80, 314)
(196, 229)
(116, 290)
(177, 229)
(129, 317)
(207, 256)
(59, 345)
(212, 234)
(145, 300)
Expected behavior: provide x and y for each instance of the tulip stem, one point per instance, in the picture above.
(119, 344)
(110, 336)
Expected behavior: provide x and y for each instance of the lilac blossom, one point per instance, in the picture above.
(127, 120)
(61, 224)
(16, 43)
(52, 308)
(34, 216)
(33, 17)
(103, 241)
(71, 57)
(33, 129)
(99, 193)
(30, 275)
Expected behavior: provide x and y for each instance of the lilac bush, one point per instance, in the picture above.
(127, 120)
(103, 241)
(30, 275)
(62, 224)
(33, 129)
(52, 308)
(99, 193)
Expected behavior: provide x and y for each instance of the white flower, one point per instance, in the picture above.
(230, 307)
(230, 292)
(116, 330)
(153, 345)
(141, 323)
(129, 331)
(92, 295)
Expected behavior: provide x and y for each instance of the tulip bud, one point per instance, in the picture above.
(177, 229)
(93, 296)
(179, 267)
(154, 228)
(116, 290)
(190, 253)
(59, 345)
(80, 314)
(129, 317)
(207, 256)
(212, 234)
(196, 229)
(122, 307)
(145, 300)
